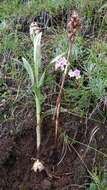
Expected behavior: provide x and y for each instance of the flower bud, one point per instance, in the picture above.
(34, 29)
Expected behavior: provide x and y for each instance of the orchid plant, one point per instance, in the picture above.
(37, 78)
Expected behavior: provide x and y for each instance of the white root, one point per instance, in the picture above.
(38, 166)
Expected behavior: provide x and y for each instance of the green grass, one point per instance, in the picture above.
(86, 53)
(86, 94)
(99, 180)
(17, 7)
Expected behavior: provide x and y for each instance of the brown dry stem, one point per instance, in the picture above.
(72, 27)
(58, 102)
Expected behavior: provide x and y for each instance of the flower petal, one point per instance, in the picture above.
(71, 73)
(60, 63)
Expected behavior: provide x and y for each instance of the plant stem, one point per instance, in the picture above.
(38, 127)
(58, 102)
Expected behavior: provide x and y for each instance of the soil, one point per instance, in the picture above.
(65, 166)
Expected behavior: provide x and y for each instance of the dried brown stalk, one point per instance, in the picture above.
(58, 102)
(72, 26)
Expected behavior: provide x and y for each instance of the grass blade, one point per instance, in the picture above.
(57, 57)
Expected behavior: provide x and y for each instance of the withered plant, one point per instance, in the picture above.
(72, 28)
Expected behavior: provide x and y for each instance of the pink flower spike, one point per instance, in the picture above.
(77, 73)
(71, 73)
(60, 64)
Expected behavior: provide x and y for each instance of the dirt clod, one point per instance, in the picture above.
(46, 184)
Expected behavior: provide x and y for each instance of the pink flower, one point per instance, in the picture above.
(71, 73)
(75, 73)
(60, 63)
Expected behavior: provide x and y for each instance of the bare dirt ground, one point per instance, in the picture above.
(66, 167)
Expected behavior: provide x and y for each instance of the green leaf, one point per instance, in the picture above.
(93, 186)
(37, 55)
(2, 24)
(57, 57)
(41, 81)
(97, 87)
(29, 70)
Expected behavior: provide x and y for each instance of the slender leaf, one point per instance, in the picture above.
(41, 81)
(93, 186)
(57, 57)
(29, 70)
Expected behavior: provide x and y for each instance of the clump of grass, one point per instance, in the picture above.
(99, 180)
(13, 8)
(90, 91)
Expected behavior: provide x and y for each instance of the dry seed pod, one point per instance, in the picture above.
(73, 25)
(34, 29)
